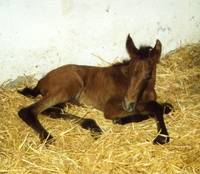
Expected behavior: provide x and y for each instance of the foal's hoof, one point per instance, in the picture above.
(161, 139)
(90, 124)
(117, 121)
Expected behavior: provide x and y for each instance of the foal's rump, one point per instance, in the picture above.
(63, 80)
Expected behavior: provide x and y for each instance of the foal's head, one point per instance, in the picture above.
(143, 62)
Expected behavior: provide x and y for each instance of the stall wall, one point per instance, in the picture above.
(36, 36)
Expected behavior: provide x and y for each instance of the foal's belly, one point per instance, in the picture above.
(97, 101)
(91, 99)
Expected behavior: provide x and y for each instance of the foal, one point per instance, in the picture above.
(123, 91)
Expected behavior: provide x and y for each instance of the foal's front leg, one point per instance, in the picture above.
(114, 111)
(156, 111)
(135, 118)
(167, 108)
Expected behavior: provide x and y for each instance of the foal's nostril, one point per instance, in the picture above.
(132, 106)
(128, 106)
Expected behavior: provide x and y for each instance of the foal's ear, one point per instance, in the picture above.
(130, 47)
(157, 50)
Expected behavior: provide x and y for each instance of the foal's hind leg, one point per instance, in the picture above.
(55, 111)
(85, 123)
(90, 124)
(29, 114)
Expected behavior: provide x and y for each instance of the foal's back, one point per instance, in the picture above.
(86, 84)
(101, 85)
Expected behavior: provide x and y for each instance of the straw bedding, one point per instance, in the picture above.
(121, 149)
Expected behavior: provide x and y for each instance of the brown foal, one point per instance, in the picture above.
(123, 91)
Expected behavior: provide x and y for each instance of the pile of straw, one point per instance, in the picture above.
(121, 149)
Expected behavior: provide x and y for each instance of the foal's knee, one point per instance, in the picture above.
(154, 107)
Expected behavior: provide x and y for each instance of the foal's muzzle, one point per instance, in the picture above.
(128, 106)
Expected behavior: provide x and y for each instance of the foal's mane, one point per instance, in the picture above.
(142, 52)
(123, 63)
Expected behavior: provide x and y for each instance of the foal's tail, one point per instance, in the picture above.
(29, 92)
